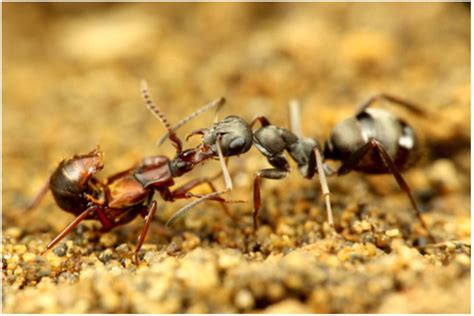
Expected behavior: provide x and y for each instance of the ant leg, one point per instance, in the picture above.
(401, 182)
(324, 185)
(228, 186)
(351, 162)
(175, 140)
(70, 227)
(194, 133)
(216, 103)
(275, 174)
(396, 100)
(218, 108)
(328, 170)
(183, 192)
(39, 197)
(141, 238)
(262, 119)
(295, 121)
(93, 200)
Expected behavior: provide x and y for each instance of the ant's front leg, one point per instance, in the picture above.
(273, 173)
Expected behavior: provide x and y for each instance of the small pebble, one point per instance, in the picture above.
(14, 232)
(123, 249)
(106, 255)
(19, 249)
(244, 299)
(108, 239)
(29, 256)
(392, 232)
(60, 250)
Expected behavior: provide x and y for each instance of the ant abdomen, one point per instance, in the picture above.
(70, 182)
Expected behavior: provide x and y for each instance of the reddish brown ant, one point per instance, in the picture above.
(125, 195)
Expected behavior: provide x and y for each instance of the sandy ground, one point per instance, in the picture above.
(70, 81)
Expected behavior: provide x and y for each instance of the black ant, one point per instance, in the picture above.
(125, 195)
(271, 141)
(374, 141)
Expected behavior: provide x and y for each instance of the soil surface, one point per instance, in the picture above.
(71, 76)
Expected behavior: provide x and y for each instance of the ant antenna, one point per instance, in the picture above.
(218, 103)
(160, 115)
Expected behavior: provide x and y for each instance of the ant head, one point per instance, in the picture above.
(236, 136)
(187, 159)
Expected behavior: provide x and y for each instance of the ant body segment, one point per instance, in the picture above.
(374, 141)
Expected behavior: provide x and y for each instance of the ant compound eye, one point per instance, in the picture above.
(236, 144)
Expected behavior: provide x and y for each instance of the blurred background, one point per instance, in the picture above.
(71, 76)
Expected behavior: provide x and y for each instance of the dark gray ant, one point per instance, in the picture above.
(237, 138)
(373, 141)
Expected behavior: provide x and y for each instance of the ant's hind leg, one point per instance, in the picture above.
(141, 238)
(351, 162)
(395, 100)
(70, 227)
(275, 174)
(401, 182)
(39, 197)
